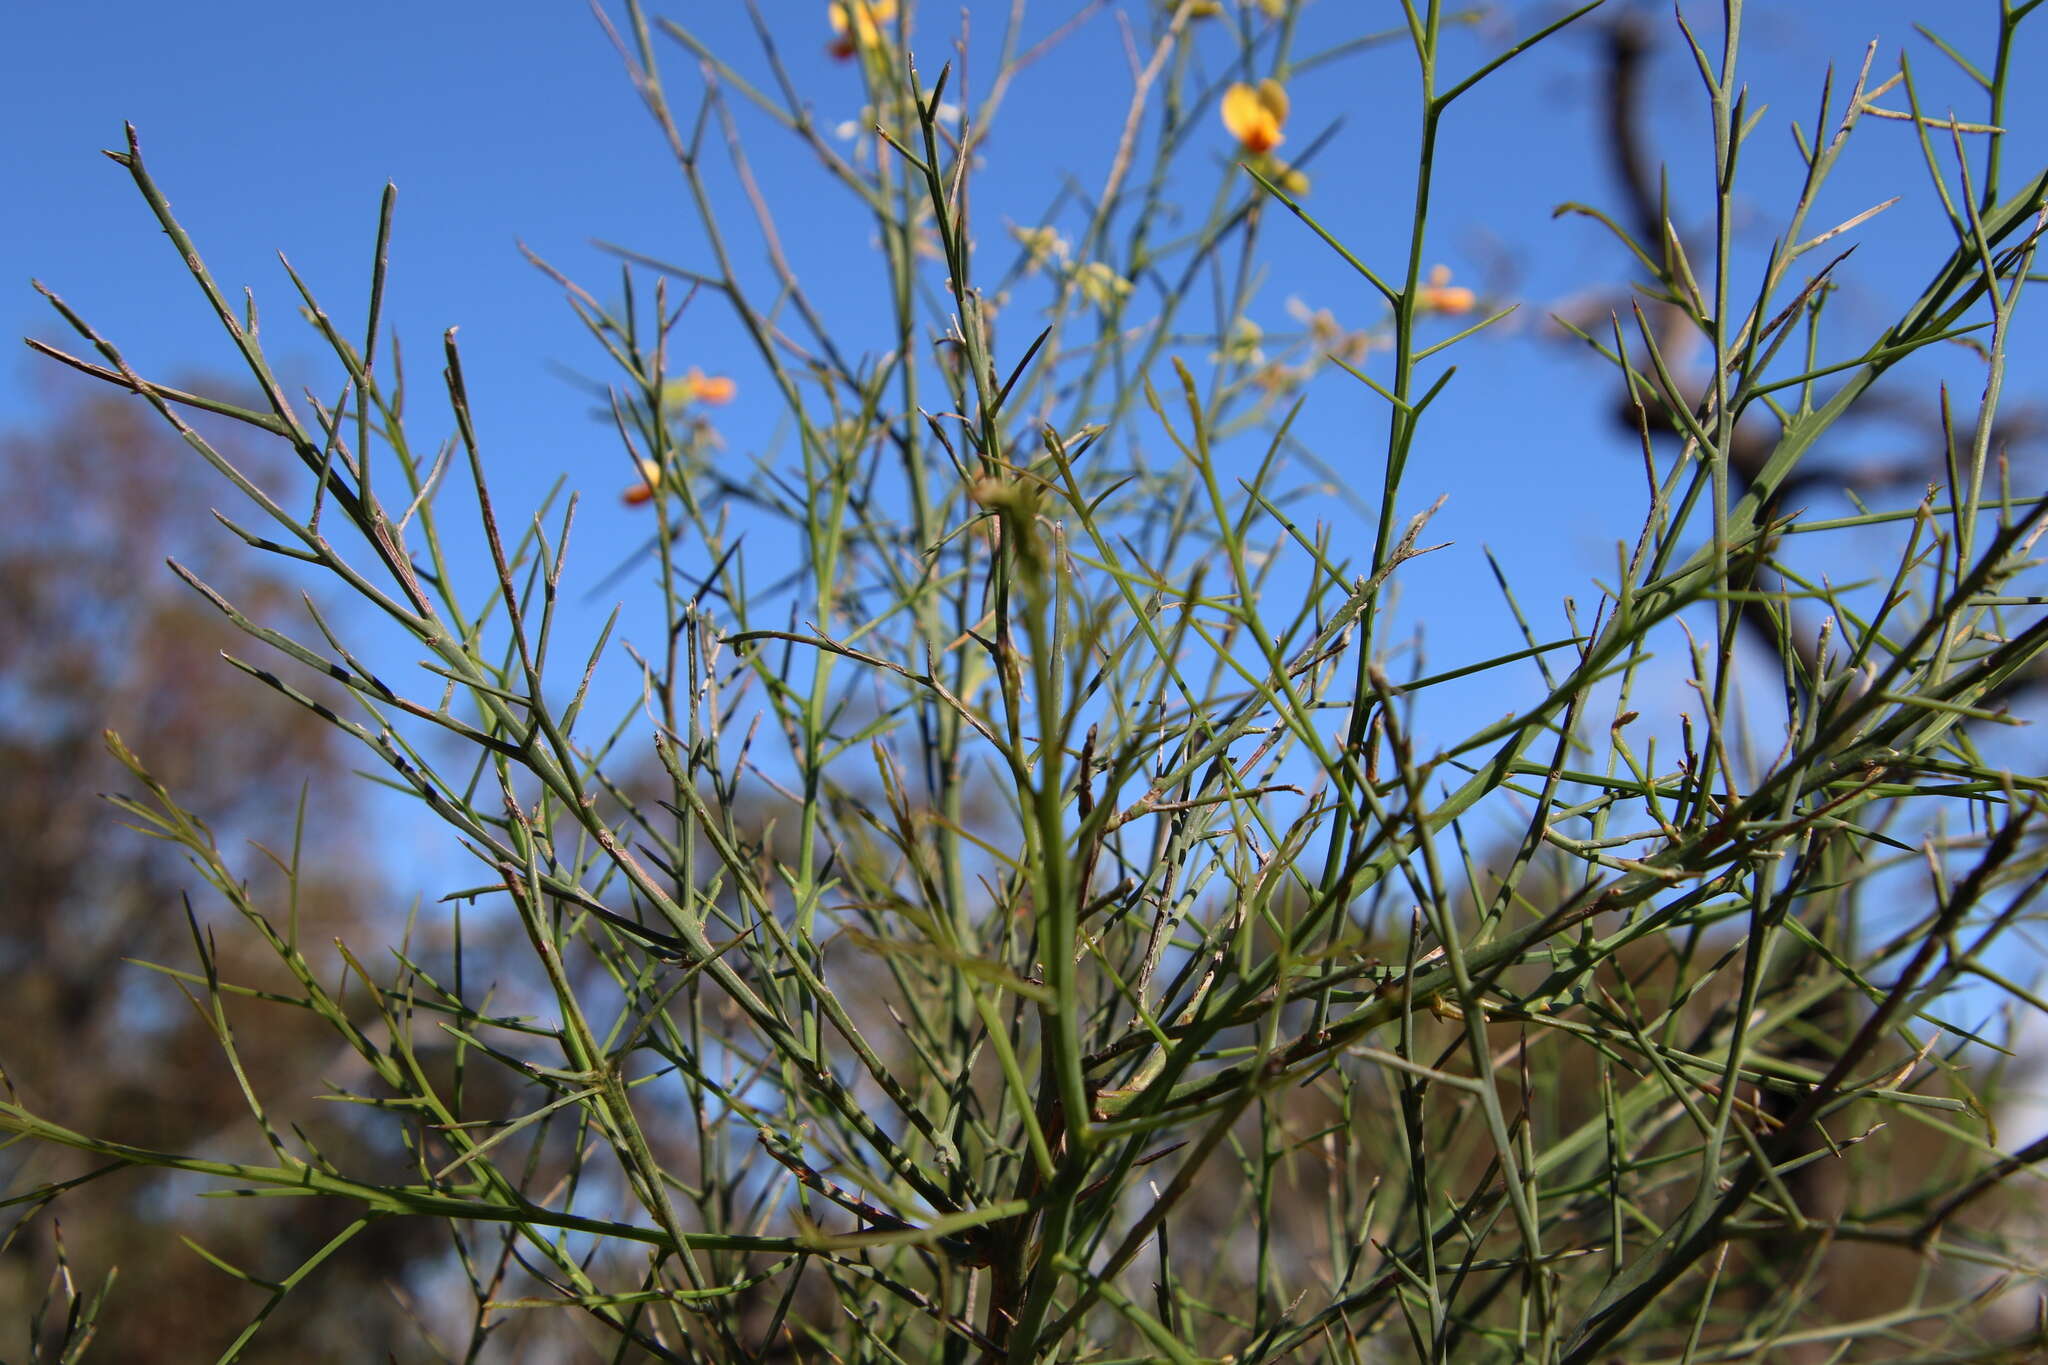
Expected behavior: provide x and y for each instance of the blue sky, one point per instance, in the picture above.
(273, 127)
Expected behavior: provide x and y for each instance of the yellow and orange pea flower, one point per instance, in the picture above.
(692, 386)
(642, 492)
(857, 24)
(695, 386)
(1255, 114)
(1438, 295)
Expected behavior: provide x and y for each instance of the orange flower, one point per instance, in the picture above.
(857, 24)
(643, 492)
(1439, 295)
(1254, 115)
(695, 386)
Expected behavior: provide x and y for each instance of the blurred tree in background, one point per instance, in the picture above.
(95, 633)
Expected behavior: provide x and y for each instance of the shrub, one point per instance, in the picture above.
(1059, 923)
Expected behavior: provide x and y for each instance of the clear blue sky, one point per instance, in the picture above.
(274, 126)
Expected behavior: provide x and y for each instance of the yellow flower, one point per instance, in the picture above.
(1043, 246)
(1101, 285)
(1324, 332)
(1328, 337)
(1241, 344)
(1254, 115)
(1213, 9)
(697, 387)
(858, 23)
(1439, 295)
(1275, 379)
(643, 491)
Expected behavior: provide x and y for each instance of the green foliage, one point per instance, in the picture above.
(1051, 930)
